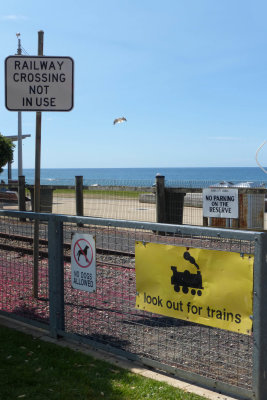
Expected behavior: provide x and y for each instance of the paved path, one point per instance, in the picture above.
(130, 209)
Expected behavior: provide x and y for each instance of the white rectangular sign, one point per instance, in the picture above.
(39, 83)
(220, 203)
(83, 262)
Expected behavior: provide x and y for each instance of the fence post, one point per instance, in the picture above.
(21, 192)
(56, 275)
(160, 199)
(79, 196)
(260, 318)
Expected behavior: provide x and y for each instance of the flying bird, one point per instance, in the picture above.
(119, 120)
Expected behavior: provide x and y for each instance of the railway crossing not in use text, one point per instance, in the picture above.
(39, 83)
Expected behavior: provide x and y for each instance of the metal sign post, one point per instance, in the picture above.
(38, 83)
(19, 124)
(37, 181)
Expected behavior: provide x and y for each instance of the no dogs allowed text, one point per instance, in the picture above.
(83, 262)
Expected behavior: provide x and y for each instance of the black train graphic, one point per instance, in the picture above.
(187, 280)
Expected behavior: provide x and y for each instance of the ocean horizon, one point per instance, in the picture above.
(143, 176)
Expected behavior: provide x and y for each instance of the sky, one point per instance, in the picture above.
(189, 76)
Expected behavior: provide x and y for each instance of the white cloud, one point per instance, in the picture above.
(224, 138)
(13, 17)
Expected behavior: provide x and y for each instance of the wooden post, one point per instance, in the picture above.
(160, 199)
(79, 196)
(21, 192)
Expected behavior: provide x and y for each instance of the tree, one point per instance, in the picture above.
(6, 151)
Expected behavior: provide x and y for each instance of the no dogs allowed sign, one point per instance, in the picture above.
(83, 262)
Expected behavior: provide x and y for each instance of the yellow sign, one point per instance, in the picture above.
(208, 287)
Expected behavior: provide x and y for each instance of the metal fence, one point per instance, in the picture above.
(225, 361)
(179, 202)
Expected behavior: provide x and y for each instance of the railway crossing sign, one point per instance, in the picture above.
(83, 262)
(39, 83)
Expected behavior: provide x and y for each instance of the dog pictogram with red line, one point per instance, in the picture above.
(83, 262)
(83, 253)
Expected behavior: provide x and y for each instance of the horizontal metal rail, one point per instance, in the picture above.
(150, 226)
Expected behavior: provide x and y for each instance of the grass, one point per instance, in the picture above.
(99, 193)
(112, 193)
(31, 369)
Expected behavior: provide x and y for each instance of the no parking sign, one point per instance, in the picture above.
(83, 262)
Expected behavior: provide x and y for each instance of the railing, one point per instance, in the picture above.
(226, 361)
(158, 203)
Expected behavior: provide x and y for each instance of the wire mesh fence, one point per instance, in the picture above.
(138, 205)
(109, 203)
(109, 316)
(16, 271)
(120, 199)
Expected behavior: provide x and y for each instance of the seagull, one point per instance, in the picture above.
(119, 120)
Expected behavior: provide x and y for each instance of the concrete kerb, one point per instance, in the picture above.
(131, 366)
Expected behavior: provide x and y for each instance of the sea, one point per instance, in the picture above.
(188, 177)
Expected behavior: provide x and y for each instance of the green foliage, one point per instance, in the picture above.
(6, 151)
